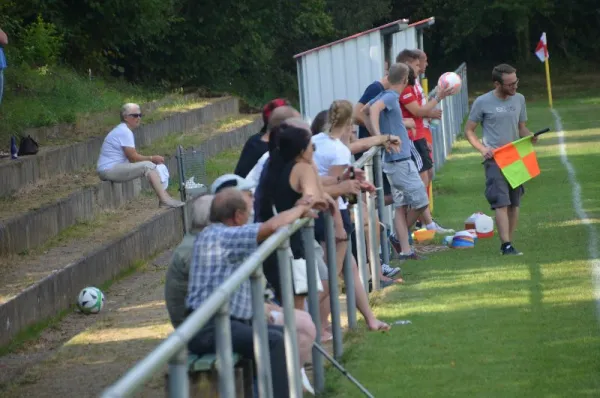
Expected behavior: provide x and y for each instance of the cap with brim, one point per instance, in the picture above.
(231, 180)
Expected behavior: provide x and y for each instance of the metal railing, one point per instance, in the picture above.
(173, 350)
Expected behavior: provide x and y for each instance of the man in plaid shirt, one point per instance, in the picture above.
(218, 251)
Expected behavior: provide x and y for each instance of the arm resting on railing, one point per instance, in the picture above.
(269, 227)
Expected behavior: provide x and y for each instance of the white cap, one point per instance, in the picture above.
(231, 180)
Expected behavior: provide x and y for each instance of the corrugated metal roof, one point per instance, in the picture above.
(366, 32)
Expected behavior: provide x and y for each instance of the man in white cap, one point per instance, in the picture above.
(242, 184)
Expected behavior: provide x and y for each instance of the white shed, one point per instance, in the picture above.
(344, 68)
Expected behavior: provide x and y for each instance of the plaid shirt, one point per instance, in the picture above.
(219, 250)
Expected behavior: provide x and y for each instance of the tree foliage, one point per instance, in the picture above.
(246, 46)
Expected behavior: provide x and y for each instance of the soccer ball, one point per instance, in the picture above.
(450, 80)
(90, 300)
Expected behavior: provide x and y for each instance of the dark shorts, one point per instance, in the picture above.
(320, 225)
(423, 149)
(497, 189)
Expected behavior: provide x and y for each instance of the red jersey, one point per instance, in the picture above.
(412, 94)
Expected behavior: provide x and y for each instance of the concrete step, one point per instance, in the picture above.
(46, 281)
(41, 211)
(54, 160)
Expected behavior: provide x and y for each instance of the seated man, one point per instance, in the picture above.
(218, 251)
(119, 161)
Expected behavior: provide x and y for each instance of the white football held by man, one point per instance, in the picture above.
(450, 80)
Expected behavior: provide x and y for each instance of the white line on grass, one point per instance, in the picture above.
(576, 188)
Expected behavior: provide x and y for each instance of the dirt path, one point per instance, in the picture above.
(82, 355)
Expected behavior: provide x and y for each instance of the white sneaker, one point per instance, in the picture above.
(306, 383)
(440, 230)
(389, 271)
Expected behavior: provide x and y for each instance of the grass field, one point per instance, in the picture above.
(488, 326)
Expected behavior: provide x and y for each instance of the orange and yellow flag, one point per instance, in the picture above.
(517, 161)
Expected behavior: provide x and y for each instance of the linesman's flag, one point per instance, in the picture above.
(517, 161)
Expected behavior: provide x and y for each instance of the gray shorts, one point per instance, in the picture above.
(498, 191)
(407, 187)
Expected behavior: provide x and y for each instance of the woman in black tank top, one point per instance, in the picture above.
(290, 174)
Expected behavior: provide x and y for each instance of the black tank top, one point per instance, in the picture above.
(284, 199)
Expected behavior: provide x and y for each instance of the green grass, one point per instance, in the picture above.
(489, 326)
(167, 146)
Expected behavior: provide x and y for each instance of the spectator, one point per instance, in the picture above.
(176, 284)
(119, 161)
(218, 251)
(319, 123)
(288, 176)
(3, 43)
(258, 144)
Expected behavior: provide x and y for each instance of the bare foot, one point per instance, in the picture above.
(378, 325)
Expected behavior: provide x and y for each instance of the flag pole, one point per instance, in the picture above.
(547, 64)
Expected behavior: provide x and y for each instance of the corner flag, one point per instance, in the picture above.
(541, 51)
(517, 161)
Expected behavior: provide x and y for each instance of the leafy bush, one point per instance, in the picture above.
(41, 43)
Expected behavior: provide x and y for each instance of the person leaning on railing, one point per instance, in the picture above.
(219, 250)
(119, 160)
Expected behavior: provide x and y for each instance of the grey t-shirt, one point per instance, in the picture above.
(499, 118)
(390, 122)
(176, 284)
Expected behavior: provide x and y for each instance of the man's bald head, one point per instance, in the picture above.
(225, 204)
(297, 122)
(280, 114)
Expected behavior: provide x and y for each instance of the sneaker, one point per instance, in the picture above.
(411, 256)
(510, 250)
(439, 229)
(395, 244)
(389, 271)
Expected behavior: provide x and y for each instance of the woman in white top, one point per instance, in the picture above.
(119, 161)
(332, 157)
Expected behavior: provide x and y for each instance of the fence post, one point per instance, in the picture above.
(377, 168)
(361, 248)
(184, 209)
(260, 335)
(224, 353)
(292, 357)
(179, 385)
(372, 225)
(336, 326)
(349, 283)
(308, 236)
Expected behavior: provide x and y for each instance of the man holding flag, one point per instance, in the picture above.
(503, 115)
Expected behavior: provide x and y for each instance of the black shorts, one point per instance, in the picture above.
(423, 149)
(498, 191)
(320, 225)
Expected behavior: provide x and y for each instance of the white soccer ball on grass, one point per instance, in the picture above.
(90, 300)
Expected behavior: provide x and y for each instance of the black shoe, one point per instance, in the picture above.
(509, 250)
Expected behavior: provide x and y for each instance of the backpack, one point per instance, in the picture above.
(28, 146)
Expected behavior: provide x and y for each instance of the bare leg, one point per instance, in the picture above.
(362, 302)
(503, 224)
(402, 221)
(299, 302)
(513, 218)
(154, 180)
(340, 251)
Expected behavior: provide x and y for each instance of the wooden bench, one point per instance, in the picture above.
(204, 378)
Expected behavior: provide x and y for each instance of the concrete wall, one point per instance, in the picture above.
(59, 290)
(34, 228)
(15, 174)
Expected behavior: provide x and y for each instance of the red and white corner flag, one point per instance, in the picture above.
(541, 51)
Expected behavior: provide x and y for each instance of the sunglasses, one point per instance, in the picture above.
(136, 115)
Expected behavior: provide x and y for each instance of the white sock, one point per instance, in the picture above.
(431, 225)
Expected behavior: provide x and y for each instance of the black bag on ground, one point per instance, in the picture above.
(28, 146)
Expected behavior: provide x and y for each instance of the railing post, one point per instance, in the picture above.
(308, 236)
(292, 356)
(224, 353)
(361, 248)
(260, 335)
(349, 283)
(184, 209)
(377, 169)
(179, 385)
(372, 225)
(336, 326)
